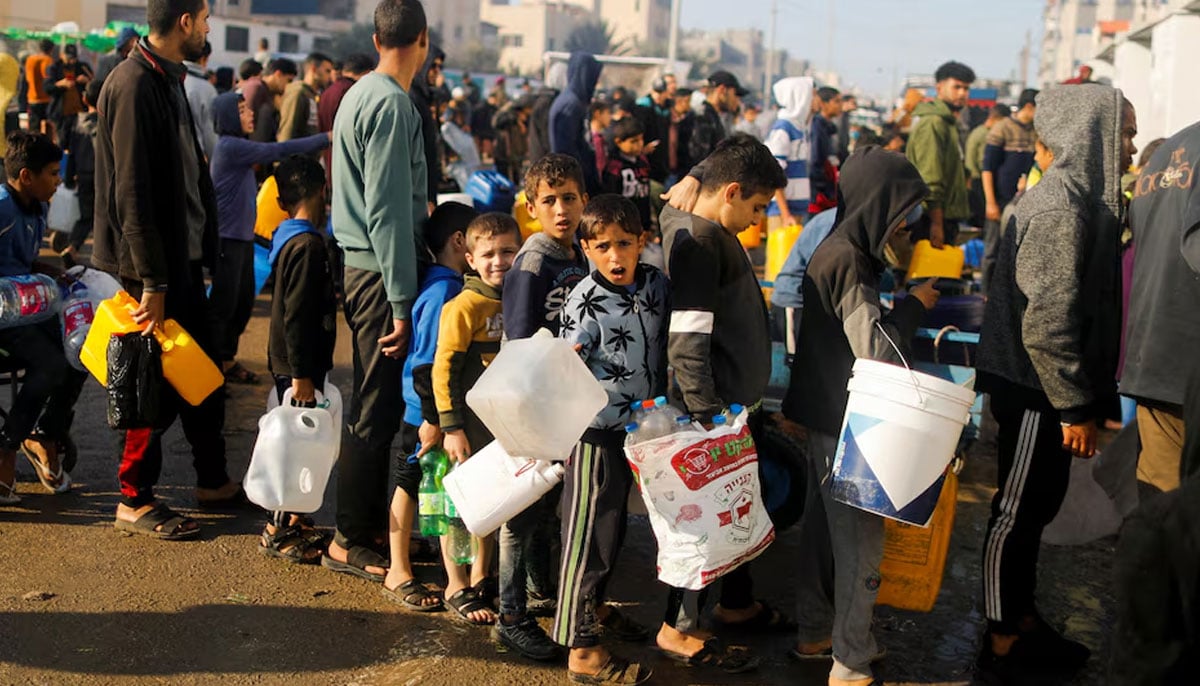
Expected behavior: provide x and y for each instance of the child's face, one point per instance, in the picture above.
(247, 117)
(603, 118)
(615, 252)
(41, 185)
(738, 213)
(559, 209)
(493, 256)
(1042, 155)
(632, 146)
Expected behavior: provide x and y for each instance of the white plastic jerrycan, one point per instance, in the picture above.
(293, 456)
(493, 487)
(537, 397)
(332, 401)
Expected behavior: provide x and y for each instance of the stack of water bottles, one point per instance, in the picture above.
(701, 490)
(31, 298)
(436, 513)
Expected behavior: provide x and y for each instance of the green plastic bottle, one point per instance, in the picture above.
(459, 539)
(431, 496)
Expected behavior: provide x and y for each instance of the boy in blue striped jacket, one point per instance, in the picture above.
(617, 316)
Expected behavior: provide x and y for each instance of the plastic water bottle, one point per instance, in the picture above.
(77, 314)
(684, 423)
(462, 543)
(657, 422)
(631, 434)
(719, 421)
(431, 496)
(28, 299)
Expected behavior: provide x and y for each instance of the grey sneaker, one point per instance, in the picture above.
(526, 638)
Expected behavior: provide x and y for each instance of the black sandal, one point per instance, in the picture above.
(467, 601)
(488, 591)
(622, 628)
(713, 654)
(294, 544)
(358, 558)
(239, 374)
(162, 523)
(616, 672)
(412, 594)
(767, 621)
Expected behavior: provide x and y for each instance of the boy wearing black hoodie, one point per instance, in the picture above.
(303, 326)
(879, 193)
(720, 348)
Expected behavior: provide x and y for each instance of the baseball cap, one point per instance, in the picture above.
(724, 78)
(128, 33)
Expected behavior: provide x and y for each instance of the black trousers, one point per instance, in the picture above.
(375, 412)
(595, 493)
(203, 425)
(50, 387)
(85, 191)
(231, 300)
(991, 247)
(1034, 471)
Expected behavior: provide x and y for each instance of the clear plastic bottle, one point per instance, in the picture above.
(28, 299)
(631, 433)
(683, 423)
(657, 422)
(720, 421)
(77, 314)
(459, 538)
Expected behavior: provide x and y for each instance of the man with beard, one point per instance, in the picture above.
(724, 97)
(157, 244)
(298, 116)
(935, 150)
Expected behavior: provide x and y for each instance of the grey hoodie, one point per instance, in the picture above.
(1052, 324)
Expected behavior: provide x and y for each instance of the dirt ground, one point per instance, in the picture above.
(82, 604)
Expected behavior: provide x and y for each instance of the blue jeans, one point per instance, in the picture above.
(525, 555)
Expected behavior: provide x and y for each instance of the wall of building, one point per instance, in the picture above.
(525, 32)
(1174, 99)
(234, 40)
(42, 14)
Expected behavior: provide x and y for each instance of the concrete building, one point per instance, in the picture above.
(527, 31)
(637, 24)
(88, 14)
(1075, 31)
(456, 21)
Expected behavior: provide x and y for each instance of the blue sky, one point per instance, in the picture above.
(875, 40)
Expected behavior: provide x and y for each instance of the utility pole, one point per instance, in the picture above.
(769, 67)
(829, 39)
(1025, 51)
(673, 39)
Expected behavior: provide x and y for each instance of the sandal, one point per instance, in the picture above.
(488, 591)
(767, 621)
(616, 672)
(53, 479)
(294, 544)
(713, 654)
(239, 374)
(210, 498)
(467, 601)
(160, 522)
(411, 595)
(358, 558)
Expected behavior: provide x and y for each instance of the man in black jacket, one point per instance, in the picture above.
(423, 99)
(724, 98)
(156, 226)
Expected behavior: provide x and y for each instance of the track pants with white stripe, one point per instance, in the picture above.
(1033, 474)
(595, 492)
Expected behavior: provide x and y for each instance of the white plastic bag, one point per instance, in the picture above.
(493, 487)
(705, 503)
(64, 210)
(293, 457)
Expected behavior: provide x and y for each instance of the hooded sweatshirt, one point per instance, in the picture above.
(303, 305)
(842, 318)
(232, 168)
(440, 285)
(1163, 318)
(421, 94)
(1052, 326)
(718, 339)
(537, 286)
(539, 114)
(788, 140)
(200, 96)
(936, 151)
(568, 115)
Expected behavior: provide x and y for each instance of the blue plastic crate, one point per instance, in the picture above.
(491, 191)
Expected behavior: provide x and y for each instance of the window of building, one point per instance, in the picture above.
(322, 44)
(133, 13)
(289, 42)
(549, 43)
(512, 41)
(237, 38)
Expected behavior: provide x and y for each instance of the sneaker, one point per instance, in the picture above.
(1042, 652)
(538, 605)
(1053, 651)
(527, 638)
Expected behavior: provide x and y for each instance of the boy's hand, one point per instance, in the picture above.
(684, 194)
(303, 391)
(152, 312)
(1080, 439)
(937, 234)
(456, 445)
(395, 343)
(430, 436)
(926, 293)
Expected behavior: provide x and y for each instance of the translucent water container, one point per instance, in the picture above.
(293, 456)
(537, 397)
(493, 487)
(185, 365)
(331, 400)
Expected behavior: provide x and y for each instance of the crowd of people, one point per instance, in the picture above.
(170, 163)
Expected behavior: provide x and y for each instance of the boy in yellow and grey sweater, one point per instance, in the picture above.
(470, 331)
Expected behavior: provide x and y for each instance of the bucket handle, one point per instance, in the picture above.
(916, 384)
(938, 339)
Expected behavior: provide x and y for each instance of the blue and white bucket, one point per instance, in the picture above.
(900, 432)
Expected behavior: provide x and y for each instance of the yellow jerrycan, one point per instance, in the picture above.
(185, 366)
(779, 245)
(528, 223)
(928, 261)
(914, 558)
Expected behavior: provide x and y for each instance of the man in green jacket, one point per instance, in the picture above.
(935, 150)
